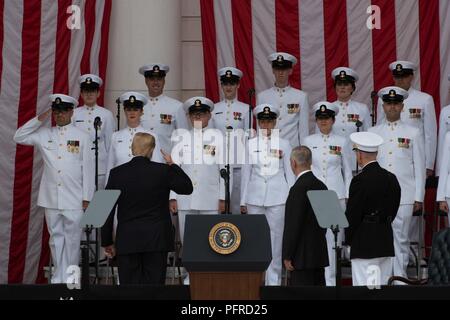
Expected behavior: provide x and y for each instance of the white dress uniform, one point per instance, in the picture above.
(199, 152)
(419, 112)
(331, 165)
(266, 180)
(293, 121)
(233, 114)
(162, 115)
(402, 154)
(67, 181)
(349, 113)
(443, 191)
(83, 118)
(120, 150)
(444, 127)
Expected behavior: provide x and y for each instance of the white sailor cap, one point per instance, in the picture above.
(154, 70)
(90, 81)
(282, 60)
(230, 74)
(267, 111)
(325, 109)
(344, 74)
(62, 101)
(366, 141)
(402, 68)
(393, 94)
(198, 104)
(133, 99)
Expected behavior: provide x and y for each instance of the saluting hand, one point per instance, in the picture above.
(167, 158)
(44, 115)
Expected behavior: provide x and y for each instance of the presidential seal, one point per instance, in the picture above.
(224, 238)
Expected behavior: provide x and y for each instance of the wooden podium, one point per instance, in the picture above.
(216, 274)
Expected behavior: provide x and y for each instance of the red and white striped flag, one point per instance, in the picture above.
(365, 35)
(46, 45)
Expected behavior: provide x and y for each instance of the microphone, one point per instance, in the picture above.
(97, 122)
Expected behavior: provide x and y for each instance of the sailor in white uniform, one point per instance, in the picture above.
(162, 115)
(402, 154)
(266, 180)
(232, 116)
(331, 165)
(293, 122)
(120, 150)
(352, 114)
(444, 127)
(443, 191)
(199, 152)
(67, 184)
(419, 112)
(84, 118)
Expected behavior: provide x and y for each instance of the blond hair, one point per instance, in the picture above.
(143, 145)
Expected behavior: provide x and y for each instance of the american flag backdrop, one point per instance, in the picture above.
(46, 45)
(324, 35)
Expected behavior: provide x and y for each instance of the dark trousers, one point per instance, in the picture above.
(308, 277)
(142, 268)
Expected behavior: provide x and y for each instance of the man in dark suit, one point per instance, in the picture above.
(372, 206)
(144, 231)
(304, 243)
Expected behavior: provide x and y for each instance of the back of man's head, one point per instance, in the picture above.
(302, 157)
(143, 145)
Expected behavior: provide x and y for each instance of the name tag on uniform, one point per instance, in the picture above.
(415, 113)
(219, 113)
(209, 150)
(73, 146)
(237, 116)
(166, 118)
(352, 117)
(275, 153)
(79, 121)
(404, 143)
(293, 108)
(336, 150)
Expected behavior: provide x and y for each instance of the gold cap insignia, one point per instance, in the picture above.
(323, 108)
(156, 69)
(229, 74)
(280, 58)
(132, 99)
(88, 80)
(343, 74)
(399, 67)
(198, 103)
(58, 100)
(392, 93)
(266, 110)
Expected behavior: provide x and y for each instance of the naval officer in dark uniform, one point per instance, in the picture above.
(373, 203)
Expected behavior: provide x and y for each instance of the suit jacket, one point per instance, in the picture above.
(375, 191)
(144, 223)
(304, 240)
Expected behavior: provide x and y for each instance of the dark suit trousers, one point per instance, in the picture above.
(308, 277)
(143, 268)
